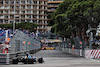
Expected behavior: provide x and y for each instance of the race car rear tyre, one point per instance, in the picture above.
(25, 61)
(15, 61)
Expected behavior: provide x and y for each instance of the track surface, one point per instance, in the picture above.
(55, 58)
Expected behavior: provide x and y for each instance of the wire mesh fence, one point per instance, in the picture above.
(22, 42)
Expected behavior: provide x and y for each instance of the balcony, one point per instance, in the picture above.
(6, 2)
(1, 2)
(2, 7)
(51, 10)
(12, 12)
(1, 17)
(23, 2)
(7, 7)
(53, 6)
(11, 2)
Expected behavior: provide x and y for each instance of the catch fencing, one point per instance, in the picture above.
(75, 48)
(22, 43)
(18, 44)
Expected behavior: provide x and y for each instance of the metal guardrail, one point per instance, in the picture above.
(5, 58)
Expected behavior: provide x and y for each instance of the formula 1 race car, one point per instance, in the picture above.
(26, 59)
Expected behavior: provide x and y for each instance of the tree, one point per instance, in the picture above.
(26, 25)
(80, 13)
(23, 25)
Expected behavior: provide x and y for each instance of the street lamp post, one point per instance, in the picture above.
(14, 16)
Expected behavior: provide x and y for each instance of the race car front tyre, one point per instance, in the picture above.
(40, 60)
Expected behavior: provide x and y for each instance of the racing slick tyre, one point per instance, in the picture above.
(25, 61)
(15, 61)
(40, 60)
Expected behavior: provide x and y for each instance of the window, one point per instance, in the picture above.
(35, 2)
(12, 7)
(7, 2)
(1, 11)
(45, 12)
(6, 16)
(29, 2)
(23, 7)
(23, 2)
(1, 21)
(34, 16)
(29, 7)
(23, 16)
(11, 2)
(6, 12)
(52, 8)
(11, 16)
(1, 2)
(11, 21)
(29, 12)
(23, 11)
(29, 16)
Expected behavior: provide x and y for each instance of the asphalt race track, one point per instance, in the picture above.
(55, 58)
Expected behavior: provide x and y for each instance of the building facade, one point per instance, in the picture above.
(34, 11)
(52, 5)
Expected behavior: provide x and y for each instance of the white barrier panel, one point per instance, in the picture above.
(73, 51)
(92, 53)
(77, 52)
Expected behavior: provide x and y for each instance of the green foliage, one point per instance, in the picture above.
(23, 25)
(7, 26)
(26, 25)
(78, 13)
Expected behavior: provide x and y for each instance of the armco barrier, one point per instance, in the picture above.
(5, 58)
(77, 52)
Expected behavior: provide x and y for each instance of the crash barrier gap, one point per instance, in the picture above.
(77, 48)
(87, 53)
(77, 52)
(18, 47)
